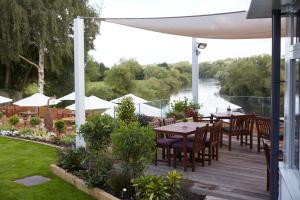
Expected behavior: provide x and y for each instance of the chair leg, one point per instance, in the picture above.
(221, 139)
(258, 142)
(163, 153)
(193, 161)
(251, 140)
(242, 139)
(229, 141)
(155, 162)
(217, 152)
(169, 156)
(174, 158)
(209, 155)
(268, 179)
(203, 157)
(213, 152)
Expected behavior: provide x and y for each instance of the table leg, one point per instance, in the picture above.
(185, 152)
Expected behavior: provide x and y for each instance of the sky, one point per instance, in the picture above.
(116, 41)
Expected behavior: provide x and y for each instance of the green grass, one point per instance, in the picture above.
(20, 159)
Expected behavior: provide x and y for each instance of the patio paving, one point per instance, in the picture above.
(32, 180)
(239, 174)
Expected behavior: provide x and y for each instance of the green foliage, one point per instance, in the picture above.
(72, 159)
(181, 109)
(118, 182)
(144, 119)
(120, 79)
(125, 111)
(98, 170)
(97, 131)
(134, 146)
(13, 120)
(158, 187)
(60, 125)
(101, 89)
(30, 89)
(92, 70)
(1, 114)
(35, 121)
(26, 131)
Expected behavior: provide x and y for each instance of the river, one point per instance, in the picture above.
(211, 100)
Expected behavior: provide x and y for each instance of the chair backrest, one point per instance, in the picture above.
(215, 131)
(155, 123)
(242, 123)
(263, 126)
(200, 138)
(169, 121)
(195, 117)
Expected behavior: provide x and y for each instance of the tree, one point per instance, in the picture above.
(120, 79)
(43, 32)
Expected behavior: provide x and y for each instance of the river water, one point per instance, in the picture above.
(211, 100)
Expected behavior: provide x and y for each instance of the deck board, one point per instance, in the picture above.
(239, 174)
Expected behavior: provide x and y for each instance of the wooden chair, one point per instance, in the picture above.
(267, 156)
(263, 126)
(246, 126)
(163, 142)
(169, 121)
(234, 129)
(212, 144)
(197, 118)
(194, 147)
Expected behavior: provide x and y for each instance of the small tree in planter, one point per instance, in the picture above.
(60, 126)
(1, 115)
(134, 146)
(35, 121)
(13, 121)
(125, 111)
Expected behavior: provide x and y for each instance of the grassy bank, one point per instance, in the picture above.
(20, 159)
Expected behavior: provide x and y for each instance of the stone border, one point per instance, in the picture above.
(80, 184)
(33, 141)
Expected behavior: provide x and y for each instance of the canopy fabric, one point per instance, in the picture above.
(139, 109)
(36, 100)
(94, 103)
(135, 99)
(233, 25)
(5, 100)
(68, 97)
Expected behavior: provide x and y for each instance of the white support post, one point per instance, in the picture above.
(195, 70)
(79, 77)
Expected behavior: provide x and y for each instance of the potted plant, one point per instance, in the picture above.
(35, 121)
(13, 121)
(60, 126)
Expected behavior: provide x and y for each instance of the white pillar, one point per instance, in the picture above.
(195, 70)
(79, 77)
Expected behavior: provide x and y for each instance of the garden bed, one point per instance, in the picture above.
(80, 184)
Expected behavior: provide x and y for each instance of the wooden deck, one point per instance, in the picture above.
(239, 174)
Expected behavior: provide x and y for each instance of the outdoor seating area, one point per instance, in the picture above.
(230, 143)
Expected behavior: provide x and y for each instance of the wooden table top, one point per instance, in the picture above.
(181, 127)
(226, 115)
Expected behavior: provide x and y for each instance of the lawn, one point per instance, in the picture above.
(20, 159)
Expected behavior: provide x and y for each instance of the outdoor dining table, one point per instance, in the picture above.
(225, 115)
(183, 129)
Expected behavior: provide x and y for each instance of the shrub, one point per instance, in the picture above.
(97, 131)
(119, 181)
(35, 121)
(144, 119)
(182, 109)
(125, 111)
(26, 131)
(72, 159)
(99, 166)
(158, 187)
(1, 114)
(60, 126)
(13, 120)
(134, 145)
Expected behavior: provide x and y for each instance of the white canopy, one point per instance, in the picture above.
(94, 103)
(135, 99)
(233, 25)
(36, 100)
(5, 100)
(139, 109)
(68, 97)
